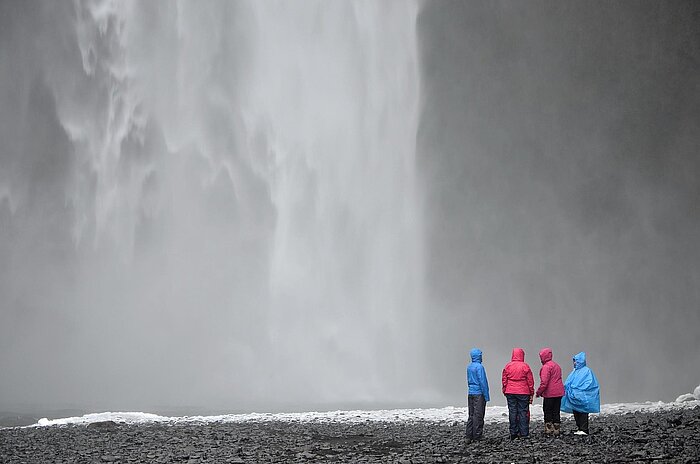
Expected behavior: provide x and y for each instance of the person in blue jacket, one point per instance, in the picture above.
(581, 393)
(477, 397)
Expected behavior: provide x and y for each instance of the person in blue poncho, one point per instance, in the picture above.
(477, 397)
(581, 393)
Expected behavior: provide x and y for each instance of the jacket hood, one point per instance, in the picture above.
(475, 354)
(518, 354)
(545, 355)
(580, 360)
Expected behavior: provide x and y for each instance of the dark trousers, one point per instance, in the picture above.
(475, 423)
(551, 410)
(518, 415)
(581, 419)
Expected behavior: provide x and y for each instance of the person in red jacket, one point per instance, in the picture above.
(519, 387)
(552, 390)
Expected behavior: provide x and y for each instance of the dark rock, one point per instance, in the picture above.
(615, 438)
(104, 425)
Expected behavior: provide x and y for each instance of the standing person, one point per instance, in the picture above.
(477, 397)
(551, 389)
(581, 393)
(518, 386)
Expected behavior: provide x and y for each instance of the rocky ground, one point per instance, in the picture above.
(670, 436)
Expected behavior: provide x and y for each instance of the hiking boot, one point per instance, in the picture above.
(548, 428)
(580, 432)
(555, 429)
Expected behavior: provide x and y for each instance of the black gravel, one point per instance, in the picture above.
(669, 436)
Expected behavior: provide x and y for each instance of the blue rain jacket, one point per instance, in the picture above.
(581, 390)
(476, 376)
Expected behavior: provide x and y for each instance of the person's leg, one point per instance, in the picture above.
(556, 406)
(584, 422)
(556, 416)
(512, 415)
(523, 419)
(479, 412)
(581, 419)
(547, 409)
(470, 421)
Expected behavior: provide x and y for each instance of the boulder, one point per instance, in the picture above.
(103, 425)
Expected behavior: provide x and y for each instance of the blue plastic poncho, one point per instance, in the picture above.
(581, 390)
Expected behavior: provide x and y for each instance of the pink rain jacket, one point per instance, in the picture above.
(517, 376)
(551, 385)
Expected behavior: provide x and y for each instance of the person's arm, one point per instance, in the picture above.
(484, 383)
(567, 384)
(545, 374)
(530, 383)
(504, 381)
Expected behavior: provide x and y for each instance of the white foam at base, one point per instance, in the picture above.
(121, 417)
(448, 415)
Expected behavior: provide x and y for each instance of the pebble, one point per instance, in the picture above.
(666, 436)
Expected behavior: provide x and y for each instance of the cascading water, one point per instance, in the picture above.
(235, 208)
(334, 96)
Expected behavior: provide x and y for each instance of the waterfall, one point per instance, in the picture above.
(334, 97)
(235, 196)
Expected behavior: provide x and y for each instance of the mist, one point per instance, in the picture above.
(207, 206)
(237, 206)
(559, 148)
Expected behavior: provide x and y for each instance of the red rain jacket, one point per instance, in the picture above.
(551, 385)
(517, 376)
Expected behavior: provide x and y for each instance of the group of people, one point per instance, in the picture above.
(580, 394)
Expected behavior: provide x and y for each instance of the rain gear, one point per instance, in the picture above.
(476, 375)
(517, 375)
(551, 385)
(582, 392)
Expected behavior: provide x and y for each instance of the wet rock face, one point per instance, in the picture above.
(670, 436)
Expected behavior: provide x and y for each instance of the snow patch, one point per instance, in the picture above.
(448, 415)
(119, 417)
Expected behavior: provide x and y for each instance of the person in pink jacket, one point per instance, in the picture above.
(519, 387)
(552, 390)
